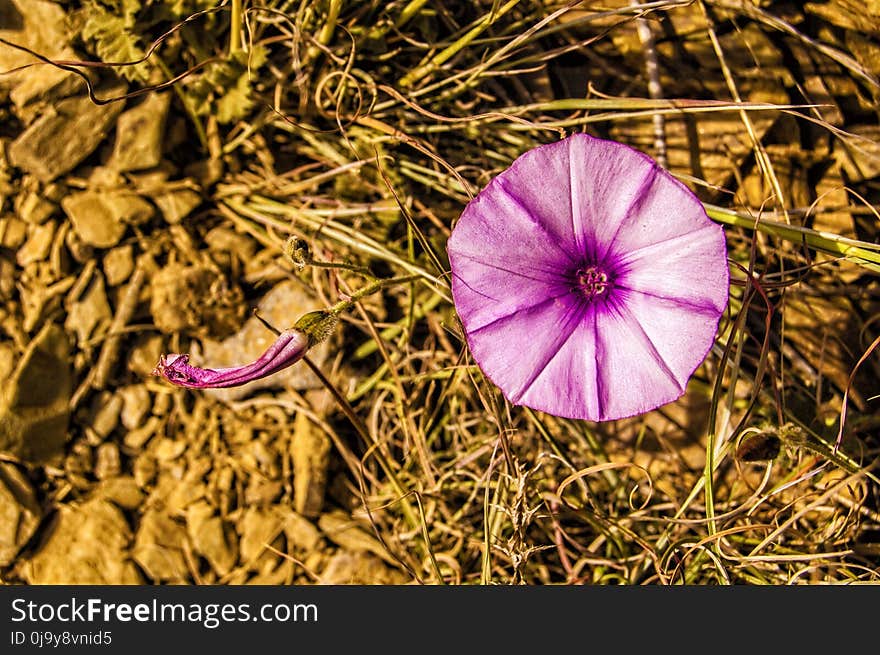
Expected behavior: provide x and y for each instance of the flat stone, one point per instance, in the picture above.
(136, 438)
(158, 547)
(38, 244)
(89, 311)
(33, 208)
(121, 490)
(100, 218)
(87, 544)
(64, 134)
(107, 461)
(19, 512)
(177, 204)
(42, 83)
(358, 568)
(258, 528)
(310, 452)
(104, 415)
(34, 401)
(139, 134)
(212, 537)
(302, 535)
(351, 535)
(37, 24)
(136, 404)
(13, 232)
(118, 264)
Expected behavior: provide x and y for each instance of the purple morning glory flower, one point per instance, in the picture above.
(588, 280)
(290, 347)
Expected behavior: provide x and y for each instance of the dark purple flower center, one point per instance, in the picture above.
(592, 281)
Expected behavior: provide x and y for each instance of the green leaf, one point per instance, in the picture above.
(112, 37)
(224, 89)
(236, 102)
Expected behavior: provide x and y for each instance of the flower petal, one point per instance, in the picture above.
(523, 262)
(633, 375)
(484, 293)
(290, 346)
(690, 269)
(568, 385)
(681, 334)
(607, 180)
(532, 338)
(661, 211)
(540, 182)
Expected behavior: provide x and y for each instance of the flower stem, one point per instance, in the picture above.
(859, 252)
(367, 290)
(235, 20)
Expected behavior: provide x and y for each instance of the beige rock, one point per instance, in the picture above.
(7, 359)
(302, 535)
(33, 208)
(258, 528)
(139, 133)
(222, 239)
(107, 461)
(182, 490)
(87, 544)
(41, 83)
(13, 232)
(310, 452)
(143, 356)
(34, 401)
(196, 299)
(100, 218)
(64, 134)
(361, 568)
(136, 403)
(261, 491)
(158, 547)
(38, 244)
(280, 575)
(167, 450)
(105, 412)
(8, 276)
(118, 264)
(352, 535)
(212, 537)
(137, 438)
(177, 204)
(19, 512)
(144, 471)
(38, 24)
(121, 490)
(88, 311)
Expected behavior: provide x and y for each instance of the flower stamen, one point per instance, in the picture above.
(592, 281)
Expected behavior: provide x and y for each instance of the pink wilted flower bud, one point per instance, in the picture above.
(588, 280)
(290, 347)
